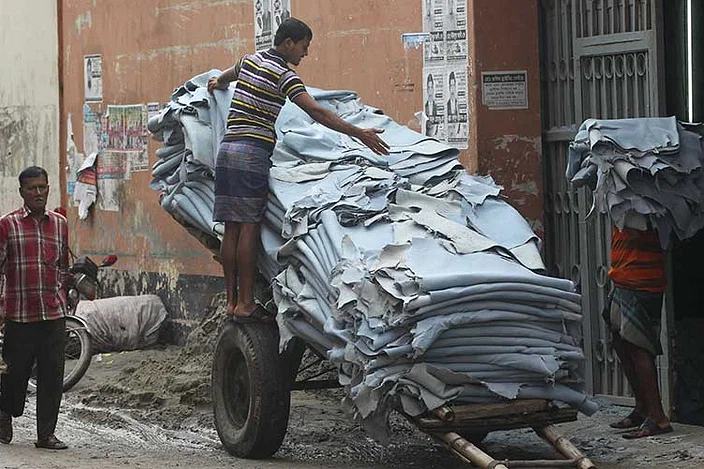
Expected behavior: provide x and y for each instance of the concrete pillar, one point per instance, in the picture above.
(506, 143)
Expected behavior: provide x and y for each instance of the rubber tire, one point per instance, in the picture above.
(251, 393)
(86, 344)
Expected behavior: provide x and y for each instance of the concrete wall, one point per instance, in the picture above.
(29, 96)
(148, 47)
(507, 143)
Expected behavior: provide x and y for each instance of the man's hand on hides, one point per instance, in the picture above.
(214, 84)
(370, 137)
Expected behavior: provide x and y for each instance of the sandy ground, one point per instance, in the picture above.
(151, 409)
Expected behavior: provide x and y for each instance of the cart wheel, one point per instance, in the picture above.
(251, 395)
(474, 437)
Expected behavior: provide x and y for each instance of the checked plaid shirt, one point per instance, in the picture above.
(33, 266)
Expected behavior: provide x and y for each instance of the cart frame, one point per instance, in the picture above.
(252, 384)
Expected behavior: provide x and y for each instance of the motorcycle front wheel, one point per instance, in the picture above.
(77, 354)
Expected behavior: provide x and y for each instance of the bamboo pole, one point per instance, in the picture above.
(445, 413)
(467, 450)
(565, 446)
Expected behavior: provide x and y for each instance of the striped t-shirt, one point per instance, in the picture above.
(637, 261)
(264, 80)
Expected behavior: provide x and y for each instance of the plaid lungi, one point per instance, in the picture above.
(241, 182)
(635, 316)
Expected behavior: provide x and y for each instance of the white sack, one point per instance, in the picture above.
(123, 322)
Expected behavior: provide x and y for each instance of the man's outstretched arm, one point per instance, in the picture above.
(329, 119)
(222, 81)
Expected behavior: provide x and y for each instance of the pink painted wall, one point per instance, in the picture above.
(149, 47)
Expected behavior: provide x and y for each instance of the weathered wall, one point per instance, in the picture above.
(507, 143)
(150, 46)
(29, 95)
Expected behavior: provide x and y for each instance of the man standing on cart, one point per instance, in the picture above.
(638, 273)
(263, 82)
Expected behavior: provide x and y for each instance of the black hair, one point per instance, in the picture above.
(32, 172)
(292, 28)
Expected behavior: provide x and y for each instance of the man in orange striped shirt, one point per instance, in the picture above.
(638, 273)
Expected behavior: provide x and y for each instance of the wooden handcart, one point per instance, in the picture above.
(458, 426)
(252, 384)
(252, 387)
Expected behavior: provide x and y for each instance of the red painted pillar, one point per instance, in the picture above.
(504, 101)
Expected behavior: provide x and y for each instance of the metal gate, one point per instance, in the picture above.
(600, 59)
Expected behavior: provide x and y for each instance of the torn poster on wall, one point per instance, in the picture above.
(126, 127)
(126, 133)
(433, 97)
(109, 194)
(113, 164)
(93, 77)
(73, 158)
(445, 76)
(456, 120)
(86, 191)
(268, 16)
(94, 130)
(153, 109)
(282, 11)
(434, 23)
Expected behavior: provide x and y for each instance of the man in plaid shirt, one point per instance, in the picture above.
(34, 270)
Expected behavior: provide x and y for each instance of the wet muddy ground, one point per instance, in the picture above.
(151, 409)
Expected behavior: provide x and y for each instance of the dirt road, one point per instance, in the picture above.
(151, 409)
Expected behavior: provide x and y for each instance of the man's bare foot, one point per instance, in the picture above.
(254, 313)
(243, 311)
(230, 311)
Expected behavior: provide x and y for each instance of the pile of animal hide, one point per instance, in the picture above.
(416, 279)
(645, 172)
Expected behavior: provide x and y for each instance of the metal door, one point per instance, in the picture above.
(600, 59)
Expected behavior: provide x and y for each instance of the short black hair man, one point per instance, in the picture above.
(264, 81)
(34, 268)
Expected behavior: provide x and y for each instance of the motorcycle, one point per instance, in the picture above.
(82, 284)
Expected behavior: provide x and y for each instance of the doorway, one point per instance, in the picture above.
(684, 63)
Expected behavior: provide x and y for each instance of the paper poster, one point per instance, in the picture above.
(456, 46)
(127, 127)
(93, 77)
(455, 15)
(263, 26)
(445, 72)
(73, 158)
(126, 134)
(282, 11)
(456, 107)
(433, 99)
(434, 50)
(86, 172)
(432, 15)
(109, 194)
(268, 16)
(93, 139)
(137, 161)
(153, 110)
(86, 190)
(113, 164)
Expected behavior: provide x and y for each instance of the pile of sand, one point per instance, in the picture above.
(169, 385)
